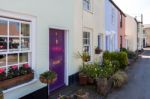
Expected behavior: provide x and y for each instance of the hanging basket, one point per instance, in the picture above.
(47, 81)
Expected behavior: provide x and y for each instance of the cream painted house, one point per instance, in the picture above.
(147, 33)
(75, 25)
(131, 33)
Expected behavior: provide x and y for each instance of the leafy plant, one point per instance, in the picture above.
(106, 55)
(116, 65)
(107, 70)
(123, 60)
(25, 69)
(2, 74)
(13, 72)
(124, 50)
(49, 75)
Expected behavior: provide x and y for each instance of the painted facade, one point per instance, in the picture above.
(68, 16)
(147, 33)
(141, 36)
(131, 33)
(121, 30)
(111, 27)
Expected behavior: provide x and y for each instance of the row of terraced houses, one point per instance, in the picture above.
(47, 35)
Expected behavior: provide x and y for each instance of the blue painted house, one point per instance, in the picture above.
(111, 26)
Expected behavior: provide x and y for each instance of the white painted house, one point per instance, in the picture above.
(131, 33)
(73, 24)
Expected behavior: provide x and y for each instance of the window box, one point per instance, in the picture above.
(8, 83)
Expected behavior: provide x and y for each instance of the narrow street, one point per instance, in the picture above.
(138, 86)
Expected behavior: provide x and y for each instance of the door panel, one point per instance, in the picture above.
(57, 56)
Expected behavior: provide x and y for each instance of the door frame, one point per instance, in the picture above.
(66, 34)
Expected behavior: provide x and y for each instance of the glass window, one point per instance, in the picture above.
(12, 59)
(86, 42)
(13, 28)
(3, 27)
(25, 29)
(2, 60)
(23, 57)
(14, 43)
(3, 43)
(25, 43)
(86, 5)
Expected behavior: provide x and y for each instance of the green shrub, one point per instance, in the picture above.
(123, 59)
(123, 50)
(106, 55)
(107, 70)
(114, 56)
(116, 65)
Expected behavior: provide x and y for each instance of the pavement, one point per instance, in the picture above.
(138, 86)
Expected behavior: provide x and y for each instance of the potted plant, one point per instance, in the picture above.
(93, 72)
(85, 57)
(98, 50)
(48, 77)
(80, 94)
(104, 83)
(14, 77)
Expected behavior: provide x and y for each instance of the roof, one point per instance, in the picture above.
(117, 7)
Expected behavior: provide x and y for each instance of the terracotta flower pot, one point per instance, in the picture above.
(16, 81)
(83, 79)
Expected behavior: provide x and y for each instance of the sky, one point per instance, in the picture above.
(135, 8)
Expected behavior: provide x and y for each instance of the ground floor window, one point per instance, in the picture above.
(15, 43)
(86, 42)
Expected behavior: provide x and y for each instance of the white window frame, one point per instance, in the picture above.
(33, 20)
(101, 40)
(87, 5)
(9, 51)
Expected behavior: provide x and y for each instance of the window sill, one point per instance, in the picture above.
(19, 86)
(89, 11)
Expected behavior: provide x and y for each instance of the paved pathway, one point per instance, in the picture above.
(138, 86)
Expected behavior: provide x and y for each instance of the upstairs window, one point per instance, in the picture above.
(87, 5)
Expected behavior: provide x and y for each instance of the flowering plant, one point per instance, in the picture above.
(25, 69)
(13, 72)
(2, 74)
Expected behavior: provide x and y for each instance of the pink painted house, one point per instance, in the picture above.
(121, 30)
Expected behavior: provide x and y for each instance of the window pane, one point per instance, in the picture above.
(14, 28)
(3, 27)
(23, 57)
(25, 43)
(2, 60)
(14, 43)
(25, 29)
(12, 59)
(3, 43)
(85, 35)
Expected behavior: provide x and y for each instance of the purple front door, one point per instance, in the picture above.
(57, 56)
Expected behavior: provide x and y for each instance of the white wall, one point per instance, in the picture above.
(68, 14)
(131, 32)
(86, 21)
(48, 13)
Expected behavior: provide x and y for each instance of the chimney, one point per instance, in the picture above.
(142, 18)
